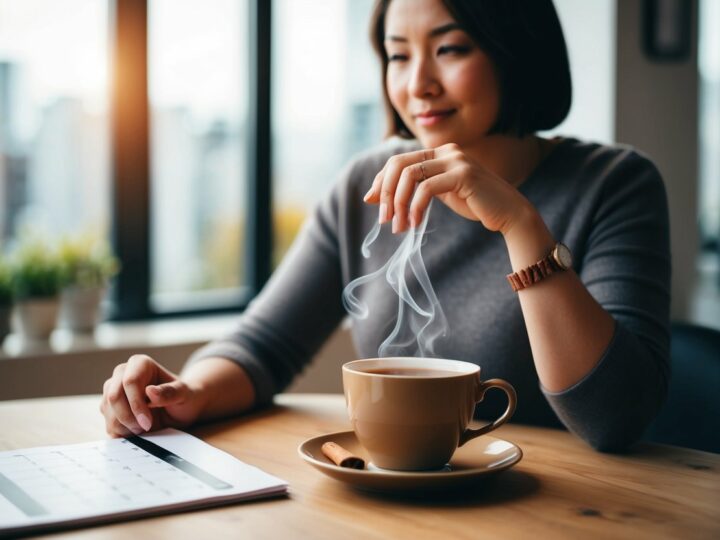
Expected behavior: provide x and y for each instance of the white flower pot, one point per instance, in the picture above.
(36, 318)
(5, 312)
(80, 308)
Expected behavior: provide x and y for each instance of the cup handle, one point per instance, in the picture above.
(469, 433)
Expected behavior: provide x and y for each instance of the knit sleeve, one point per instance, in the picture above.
(626, 268)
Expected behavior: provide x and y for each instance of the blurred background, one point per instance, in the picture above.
(196, 135)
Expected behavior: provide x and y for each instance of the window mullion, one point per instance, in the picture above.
(259, 241)
(130, 158)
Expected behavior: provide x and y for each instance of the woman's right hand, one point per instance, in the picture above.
(143, 396)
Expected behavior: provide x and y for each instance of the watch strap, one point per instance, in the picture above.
(535, 272)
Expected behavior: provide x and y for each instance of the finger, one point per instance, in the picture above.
(409, 179)
(446, 150)
(103, 400)
(163, 395)
(411, 176)
(115, 429)
(112, 426)
(393, 169)
(118, 403)
(438, 184)
(139, 372)
(373, 194)
(106, 387)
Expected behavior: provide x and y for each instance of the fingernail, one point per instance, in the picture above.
(144, 421)
(395, 224)
(383, 213)
(367, 195)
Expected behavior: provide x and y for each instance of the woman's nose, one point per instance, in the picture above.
(423, 80)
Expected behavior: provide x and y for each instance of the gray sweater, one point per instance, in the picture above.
(608, 204)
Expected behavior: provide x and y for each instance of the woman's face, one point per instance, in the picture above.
(441, 84)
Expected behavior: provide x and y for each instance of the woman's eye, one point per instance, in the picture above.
(453, 49)
(396, 57)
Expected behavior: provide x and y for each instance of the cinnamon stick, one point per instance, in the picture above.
(338, 455)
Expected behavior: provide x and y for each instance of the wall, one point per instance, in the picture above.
(657, 112)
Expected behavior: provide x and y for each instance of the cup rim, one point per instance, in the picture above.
(462, 368)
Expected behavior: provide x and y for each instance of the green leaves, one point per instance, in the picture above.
(37, 269)
(86, 262)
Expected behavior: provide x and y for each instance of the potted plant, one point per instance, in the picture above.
(5, 298)
(87, 267)
(36, 280)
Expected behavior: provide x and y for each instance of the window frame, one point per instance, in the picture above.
(130, 162)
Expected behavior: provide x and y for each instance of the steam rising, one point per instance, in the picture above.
(420, 321)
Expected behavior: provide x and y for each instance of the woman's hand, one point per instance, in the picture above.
(142, 395)
(407, 183)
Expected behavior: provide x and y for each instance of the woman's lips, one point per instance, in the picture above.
(430, 118)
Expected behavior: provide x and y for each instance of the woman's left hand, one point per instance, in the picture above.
(407, 183)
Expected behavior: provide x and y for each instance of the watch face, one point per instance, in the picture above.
(563, 256)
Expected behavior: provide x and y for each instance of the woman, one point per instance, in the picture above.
(583, 338)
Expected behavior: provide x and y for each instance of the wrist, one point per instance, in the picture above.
(527, 238)
(198, 390)
(525, 216)
(221, 386)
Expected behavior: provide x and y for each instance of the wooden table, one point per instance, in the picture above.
(560, 489)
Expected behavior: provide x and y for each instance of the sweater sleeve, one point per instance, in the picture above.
(626, 268)
(296, 311)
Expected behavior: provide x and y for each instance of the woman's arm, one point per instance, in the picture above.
(599, 339)
(568, 330)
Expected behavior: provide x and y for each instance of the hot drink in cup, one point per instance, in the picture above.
(411, 414)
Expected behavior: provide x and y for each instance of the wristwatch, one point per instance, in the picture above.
(559, 259)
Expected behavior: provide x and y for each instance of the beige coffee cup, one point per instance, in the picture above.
(411, 414)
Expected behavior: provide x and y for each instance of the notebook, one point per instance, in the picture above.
(57, 487)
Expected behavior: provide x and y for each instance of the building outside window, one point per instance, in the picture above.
(198, 61)
(54, 127)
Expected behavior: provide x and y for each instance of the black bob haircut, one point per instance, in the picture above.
(525, 42)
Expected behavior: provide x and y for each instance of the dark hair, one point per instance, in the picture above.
(525, 42)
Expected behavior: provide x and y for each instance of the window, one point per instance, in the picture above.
(198, 128)
(709, 140)
(326, 103)
(190, 139)
(54, 128)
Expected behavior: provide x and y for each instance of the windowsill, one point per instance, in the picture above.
(114, 336)
(72, 365)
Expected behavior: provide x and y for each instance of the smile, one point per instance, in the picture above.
(430, 118)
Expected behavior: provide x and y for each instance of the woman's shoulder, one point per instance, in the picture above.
(604, 161)
(610, 179)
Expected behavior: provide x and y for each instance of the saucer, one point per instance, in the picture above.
(477, 459)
